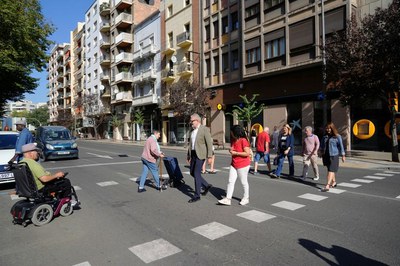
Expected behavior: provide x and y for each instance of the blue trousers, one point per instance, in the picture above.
(195, 170)
(153, 170)
(280, 164)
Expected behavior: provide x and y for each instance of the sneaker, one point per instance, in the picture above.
(225, 201)
(255, 173)
(140, 190)
(244, 201)
(273, 175)
(302, 178)
(316, 178)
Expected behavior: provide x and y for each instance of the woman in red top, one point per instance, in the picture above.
(240, 151)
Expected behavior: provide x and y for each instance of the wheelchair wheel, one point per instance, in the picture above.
(42, 214)
(66, 209)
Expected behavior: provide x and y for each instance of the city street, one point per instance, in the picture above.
(287, 222)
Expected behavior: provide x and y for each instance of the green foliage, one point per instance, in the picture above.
(23, 44)
(116, 121)
(363, 62)
(38, 116)
(249, 110)
(138, 117)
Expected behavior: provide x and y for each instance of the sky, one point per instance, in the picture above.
(64, 15)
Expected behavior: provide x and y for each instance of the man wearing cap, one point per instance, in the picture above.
(45, 181)
(24, 137)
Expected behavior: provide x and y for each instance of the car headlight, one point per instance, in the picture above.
(74, 145)
(49, 147)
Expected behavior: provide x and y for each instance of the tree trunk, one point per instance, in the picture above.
(393, 130)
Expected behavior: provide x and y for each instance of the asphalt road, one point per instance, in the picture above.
(287, 222)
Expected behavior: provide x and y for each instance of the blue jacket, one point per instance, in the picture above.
(335, 145)
(24, 137)
(289, 143)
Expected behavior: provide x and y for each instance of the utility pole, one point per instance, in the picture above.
(324, 101)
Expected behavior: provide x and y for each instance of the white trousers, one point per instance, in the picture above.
(233, 175)
(313, 161)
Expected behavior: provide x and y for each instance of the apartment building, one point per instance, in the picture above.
(20, 106)
(147, 74)
(181, 47)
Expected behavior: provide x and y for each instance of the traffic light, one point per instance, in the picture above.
(394, 101)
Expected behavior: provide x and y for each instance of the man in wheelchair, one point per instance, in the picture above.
(47, 195)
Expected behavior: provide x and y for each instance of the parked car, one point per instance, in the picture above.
(56, 142)
(8, 139)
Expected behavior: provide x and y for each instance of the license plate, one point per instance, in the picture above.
(63, 152)
(6, 175)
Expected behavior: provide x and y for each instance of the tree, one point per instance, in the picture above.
(38, 116)
(186, 98)
(248, 110)
(363, 62)
(23, 45)
(138, 118)
(65, 119)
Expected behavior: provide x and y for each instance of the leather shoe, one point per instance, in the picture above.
(206, 190)
(194, 200)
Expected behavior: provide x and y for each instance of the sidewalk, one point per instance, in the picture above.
(354, 159)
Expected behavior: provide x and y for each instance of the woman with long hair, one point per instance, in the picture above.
(285, 149)
(240, 165)
(330, 150)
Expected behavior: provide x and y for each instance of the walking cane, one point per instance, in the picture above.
(161, 176)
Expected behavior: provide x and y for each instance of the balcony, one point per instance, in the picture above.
(145, 100)
(105, 77)
(78, 49)
(124, 39)
(168, 75)
(122, 97)
(105, 26)
(123, 77)
(148, 50)
(106, 93)
(104, 9)
(105, 60)
(169, 50)
(124, 58)
(123, 20)
(60, 76)
(123, 4)
(145, 76)
(185, 69)
(183, 40)
(105, 43)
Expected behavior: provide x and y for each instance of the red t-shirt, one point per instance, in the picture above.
(239, 161)
(261, 139)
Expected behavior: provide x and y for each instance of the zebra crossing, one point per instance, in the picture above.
(158, 249)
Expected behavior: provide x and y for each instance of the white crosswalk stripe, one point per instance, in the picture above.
(86, 263)
(362, 180)
(107, 183)
(213, 230)
(391, 172)
(288, 205)
(336, 191)
(374, 177)
(383, 174)
(154, 250)
(256, 216)
(351, 185)
(313, 197)
(77, 188)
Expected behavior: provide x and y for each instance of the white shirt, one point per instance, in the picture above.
(193, 137)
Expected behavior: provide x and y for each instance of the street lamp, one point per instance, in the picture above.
(324, 101)
(31, 118)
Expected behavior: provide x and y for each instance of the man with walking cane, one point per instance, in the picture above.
(151, 152)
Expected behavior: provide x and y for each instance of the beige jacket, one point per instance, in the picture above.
(203, 144)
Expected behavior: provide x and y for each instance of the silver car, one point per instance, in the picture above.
(7, 151)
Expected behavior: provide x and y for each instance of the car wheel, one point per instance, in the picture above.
(42, 157)
(42, 215)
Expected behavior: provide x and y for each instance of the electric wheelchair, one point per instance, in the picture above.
(39, 207)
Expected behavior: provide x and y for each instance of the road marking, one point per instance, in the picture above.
(398, 197)
(90, 165)
(100, 156)
(107, 183)
(213, 230)
(383, 174)
(227, 168)
(288, 205)
(154, 250)
(363, 180)
(336, 191)
(392, 172)
(345, 184)
(186, 173)
(374, 177)
(77, 188)
(256, 216)
(15, 197)
(313, 197)
(134, 179)
(86, 263)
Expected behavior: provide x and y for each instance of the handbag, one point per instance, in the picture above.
(276, 159)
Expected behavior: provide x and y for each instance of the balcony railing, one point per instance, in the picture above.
(148, 50)
(183, 39)
(105, 26)
(105, 60)
(124, 57)
(145, 100)
(124, 39)
(123, 96)
(144, 76)
(123, 20)
(104, 9)
(105, 43)
(123, 77)
(123, 4)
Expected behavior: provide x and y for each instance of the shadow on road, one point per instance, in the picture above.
(342, 255)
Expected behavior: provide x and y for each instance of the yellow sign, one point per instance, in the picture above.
(219, 106)
(388, 132)
(363, 129)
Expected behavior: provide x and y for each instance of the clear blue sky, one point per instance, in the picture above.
(64, 15)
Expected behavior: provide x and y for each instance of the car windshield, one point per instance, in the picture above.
(7, 142)
(57, 135)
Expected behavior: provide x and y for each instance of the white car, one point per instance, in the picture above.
(7, 151)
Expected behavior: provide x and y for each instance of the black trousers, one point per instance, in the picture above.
(62, 187)
(195, 170)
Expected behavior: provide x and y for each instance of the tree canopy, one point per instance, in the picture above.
(23, 44)
(363, 62)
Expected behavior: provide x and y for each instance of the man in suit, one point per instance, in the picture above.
(200, 148)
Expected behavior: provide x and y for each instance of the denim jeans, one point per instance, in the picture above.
(280, 164)
(153, 170)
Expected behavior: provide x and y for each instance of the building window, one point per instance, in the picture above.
(95, 57)
(208, 34)
(170, 10)
(225, 25)
(235, 59)
(216, 65)
(252, 11)
(216, 29)
(275, 45)
(225, 62)
(187, 2)
(253, 55)
(301, 35)
(170, 40)
(208, 67)
(94, 26)
(271, 3)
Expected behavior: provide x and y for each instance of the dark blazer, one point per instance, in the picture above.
(203, 143)
(289, 143)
